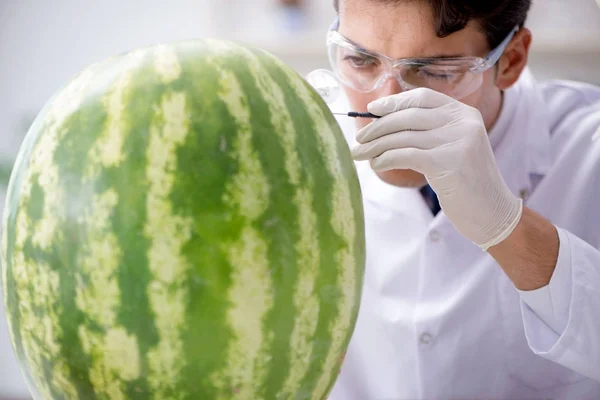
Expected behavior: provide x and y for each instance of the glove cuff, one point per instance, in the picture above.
(503, 223)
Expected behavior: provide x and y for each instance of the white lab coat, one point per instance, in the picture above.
(439, 319)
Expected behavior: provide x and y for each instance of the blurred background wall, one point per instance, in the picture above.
(44, 43)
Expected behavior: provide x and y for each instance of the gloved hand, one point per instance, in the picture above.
(446, 141)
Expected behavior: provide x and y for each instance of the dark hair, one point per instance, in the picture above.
(496, 18)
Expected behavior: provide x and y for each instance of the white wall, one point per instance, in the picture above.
(43, 43)
(566, 39)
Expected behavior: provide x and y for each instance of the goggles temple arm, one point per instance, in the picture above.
(495, 54)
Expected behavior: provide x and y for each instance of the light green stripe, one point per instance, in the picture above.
(167, 233)
(40, 336)
(107, 152)
(97, 292)
(167, 63)
(42, 159)
(4, 261)
(343, 223)
(251, 290)
(113, 353)
(306, 299)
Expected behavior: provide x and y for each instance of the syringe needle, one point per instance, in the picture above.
(354, 114)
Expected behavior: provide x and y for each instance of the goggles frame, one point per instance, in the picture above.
(477, 65)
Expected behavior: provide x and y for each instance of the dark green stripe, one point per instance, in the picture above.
(130, 182)
(82, 131)
(35, 255)
(12, 206)
(348, 175)
(280, 226)
(315, 167)
(198, 191)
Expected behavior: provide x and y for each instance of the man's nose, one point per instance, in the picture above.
(390, 87)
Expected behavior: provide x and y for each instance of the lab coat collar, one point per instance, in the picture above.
(520, 139)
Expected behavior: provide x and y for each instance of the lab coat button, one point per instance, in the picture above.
(426, 338)
(434, 236)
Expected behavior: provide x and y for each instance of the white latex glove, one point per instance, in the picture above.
(446, 141)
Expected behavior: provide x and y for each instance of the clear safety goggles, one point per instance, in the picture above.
(366, 71)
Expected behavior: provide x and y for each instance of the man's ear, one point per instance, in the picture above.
(514, 59)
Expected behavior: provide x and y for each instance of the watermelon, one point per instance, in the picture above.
(183, 221)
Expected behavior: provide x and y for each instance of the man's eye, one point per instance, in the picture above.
(359, 62)
(436, 75)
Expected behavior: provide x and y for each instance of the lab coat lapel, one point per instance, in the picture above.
(521, 137)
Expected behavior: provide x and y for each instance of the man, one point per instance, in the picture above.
(496, 295)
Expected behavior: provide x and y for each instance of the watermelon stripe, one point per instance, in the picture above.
(66, 256)
(9, 296)
(39, 320)
(314, 170)
(199, 193)
(107, 152)
(343, 221)
(168, 233)
(249, 293)
(307, 246)
(23, 182)
(99, 129)
(141, 98)
(4, 258)
(112, 352)
(282, 262)
(167, 64)
(317, 172)
(276, 223)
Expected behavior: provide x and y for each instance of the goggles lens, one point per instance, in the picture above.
(366, 72)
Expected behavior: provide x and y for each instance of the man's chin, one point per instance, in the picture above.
(405, 178)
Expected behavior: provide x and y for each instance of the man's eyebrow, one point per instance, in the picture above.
(443, 55)
(422, 57)
(361, 48)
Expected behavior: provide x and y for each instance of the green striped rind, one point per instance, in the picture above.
(251, 290)
(32, 215)
(184, 222)
(167, 232)
(346, 218)
(112, 352)
(307, 251)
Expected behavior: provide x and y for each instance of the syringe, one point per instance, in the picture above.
(355, 114)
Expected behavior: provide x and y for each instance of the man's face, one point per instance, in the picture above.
(406, 29)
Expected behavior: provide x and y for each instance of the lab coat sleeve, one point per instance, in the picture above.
(562, 320)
